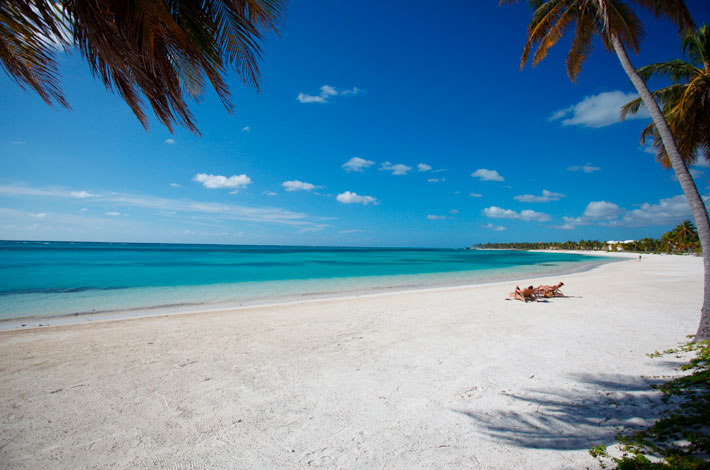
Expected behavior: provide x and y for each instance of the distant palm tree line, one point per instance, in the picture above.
(683, 239)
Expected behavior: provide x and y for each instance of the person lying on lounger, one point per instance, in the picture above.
(550, 291)
(523, 294)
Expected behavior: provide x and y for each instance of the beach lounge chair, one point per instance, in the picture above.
(526, 295)
(549, 291)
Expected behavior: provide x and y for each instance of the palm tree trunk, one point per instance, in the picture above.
(697, 206)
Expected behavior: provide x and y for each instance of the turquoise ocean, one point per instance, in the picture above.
(65, 278)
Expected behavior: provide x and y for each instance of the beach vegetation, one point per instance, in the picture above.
(164, 52)
(683, 239)
(680, 438)
(619, 28)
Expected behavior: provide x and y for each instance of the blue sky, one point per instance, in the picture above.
(381, 124)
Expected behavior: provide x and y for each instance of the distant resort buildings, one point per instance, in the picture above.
(613, 245)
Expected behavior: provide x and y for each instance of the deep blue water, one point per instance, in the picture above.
(47, 278)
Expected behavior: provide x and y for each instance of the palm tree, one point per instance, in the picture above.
(616, 24)
(686, 103)
(163, 51)
(684, 236)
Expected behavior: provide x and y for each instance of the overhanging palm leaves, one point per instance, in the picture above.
(685, 104)
(163, 51)
(588, 18)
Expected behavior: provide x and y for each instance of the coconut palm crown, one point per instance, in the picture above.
(588, 18)
(685, 104)
(161, 51)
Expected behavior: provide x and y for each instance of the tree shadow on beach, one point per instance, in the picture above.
(592, 412)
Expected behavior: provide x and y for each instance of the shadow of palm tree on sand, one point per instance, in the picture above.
(593, 411)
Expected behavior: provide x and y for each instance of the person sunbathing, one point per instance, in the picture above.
(523, 294)
(550, 291)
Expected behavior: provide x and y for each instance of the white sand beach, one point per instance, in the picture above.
(445, 378)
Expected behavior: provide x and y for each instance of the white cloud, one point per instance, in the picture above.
(475, 194)
(667, 212)
(296, 185)
(357, 164)
(487, 175)
(588, 168)
(436, 180)
(113, 213)
(596, 212)
(235, 182)
(246, 129)
(354, 230)
(22, 190)
(82, 194)
(547, 196)
(398, 169)
(495, 212)
(601, 210)
(598, 110)
(170, 141)
(568, 225)
(175, 185)
(352, 91)
(500, 213)
(528, 215)
(701, 162)
(454, 211)
(353, 198)
(326, 92)
(436, 217)
(270, 193)
(648, 149)
(271, 215)
(495, 228)
(423, 167)
(39, 215)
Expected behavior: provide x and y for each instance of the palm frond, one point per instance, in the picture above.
(581, 44)
(26, 51)
(534, 4)
(650, 132)
(697, 45)
(674, 10)
(543, 19)
(632, 107)
(676, 70)
(624, 23)
(555, 32)
(155, 52)
(666, 97)
(669, 96)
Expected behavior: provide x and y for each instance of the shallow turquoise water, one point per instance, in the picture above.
(55, 278)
